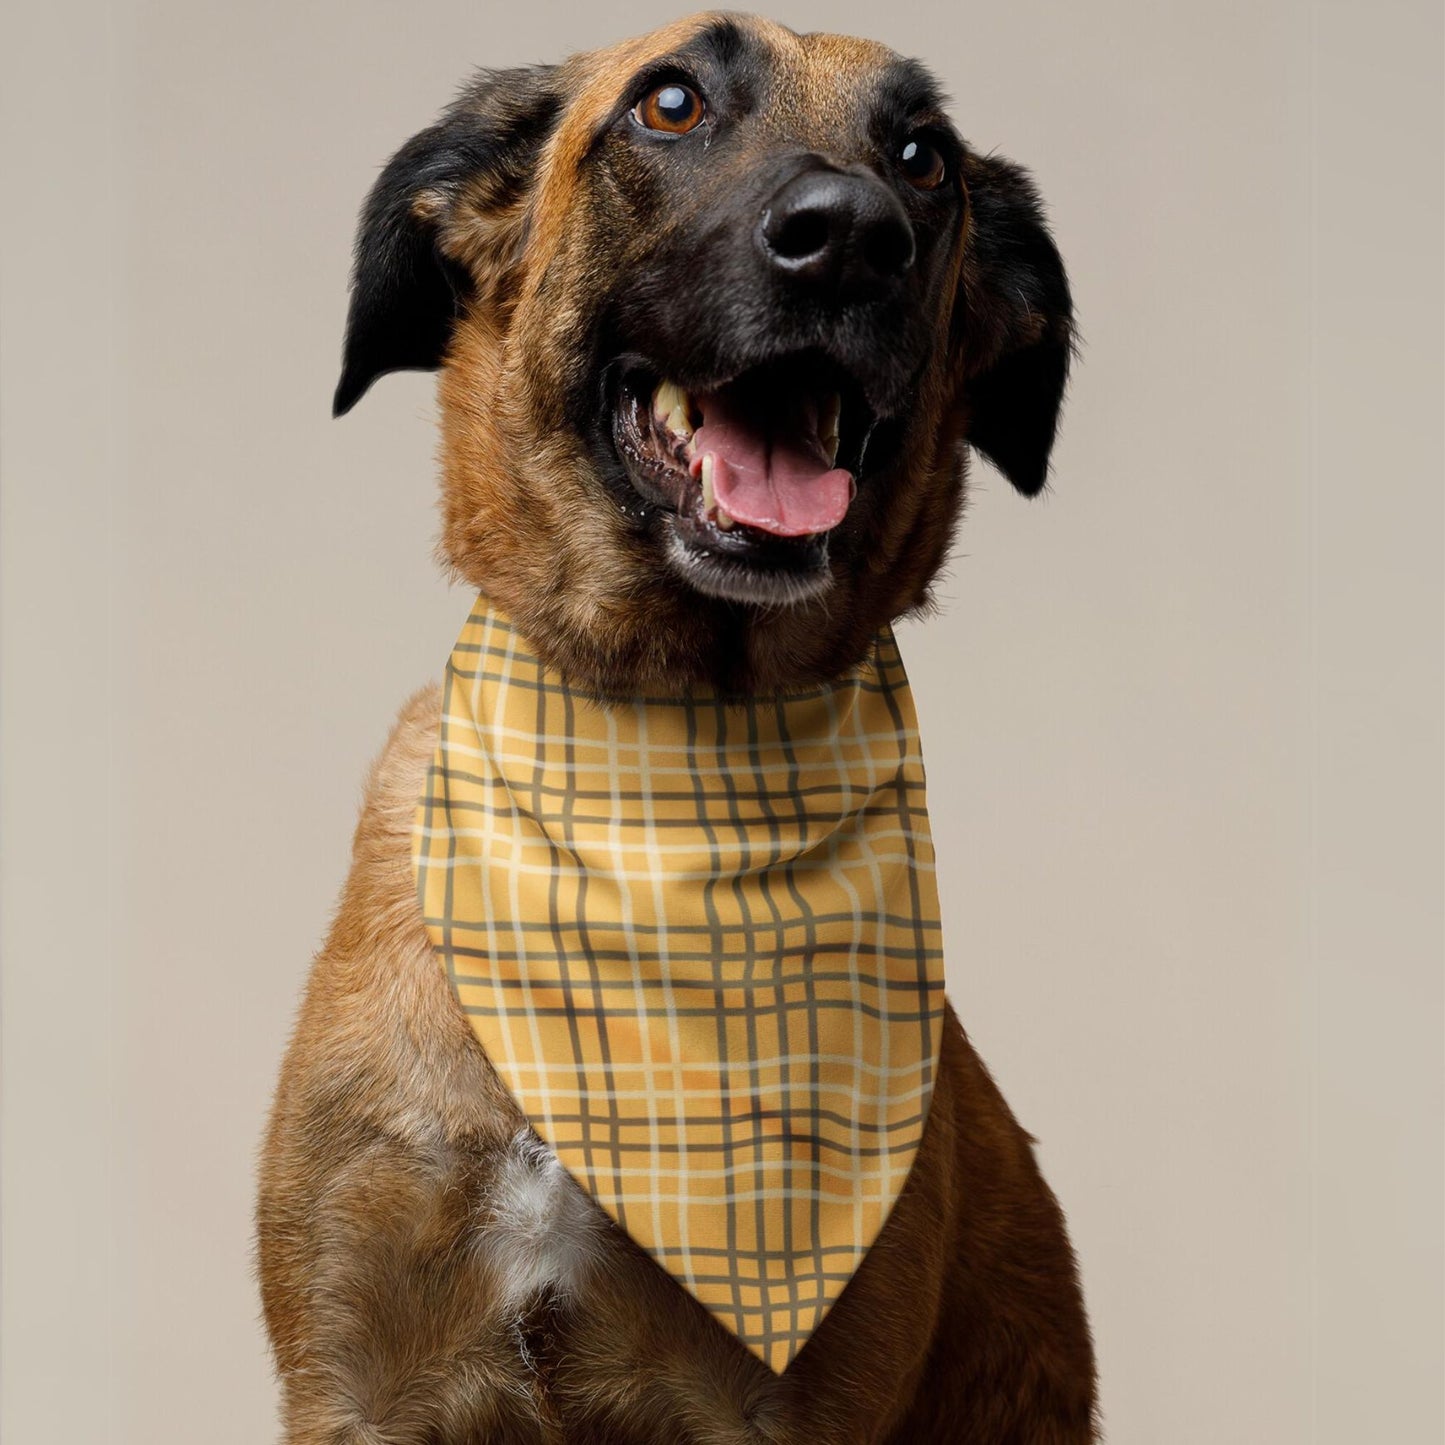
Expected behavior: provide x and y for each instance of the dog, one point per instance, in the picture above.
(720, 208)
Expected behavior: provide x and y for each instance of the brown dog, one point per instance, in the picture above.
(736, 210)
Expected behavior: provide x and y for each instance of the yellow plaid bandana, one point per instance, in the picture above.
(699, 941)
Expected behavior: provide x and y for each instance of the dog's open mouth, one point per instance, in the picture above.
(752, 474)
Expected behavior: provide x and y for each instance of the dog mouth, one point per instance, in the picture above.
(749, 476)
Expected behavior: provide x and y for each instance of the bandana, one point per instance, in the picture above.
(698, 938)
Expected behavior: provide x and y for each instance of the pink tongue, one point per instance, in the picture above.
(770, 474)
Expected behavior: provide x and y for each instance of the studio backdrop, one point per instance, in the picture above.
(1181, 715)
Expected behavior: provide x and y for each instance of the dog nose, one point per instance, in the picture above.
(837, 230)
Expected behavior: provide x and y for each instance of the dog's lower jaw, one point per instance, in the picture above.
(735, 581)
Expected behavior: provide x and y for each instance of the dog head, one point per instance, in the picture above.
(717, 312)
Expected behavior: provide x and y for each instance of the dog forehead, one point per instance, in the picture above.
(816, 85)
(821, 85)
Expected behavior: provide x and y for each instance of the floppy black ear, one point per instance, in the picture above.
(1018, 323)
(405, 290)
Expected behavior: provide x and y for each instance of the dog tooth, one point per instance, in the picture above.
(670, 405)
(664, 398)
(725, 522)
(828, 415)
(678, 424)
(708, 498)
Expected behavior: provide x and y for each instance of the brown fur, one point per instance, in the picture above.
(390, 1322)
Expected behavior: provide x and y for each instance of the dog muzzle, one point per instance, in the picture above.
(698, 938)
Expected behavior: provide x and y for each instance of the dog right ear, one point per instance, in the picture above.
(1016, 324)
(446, 208)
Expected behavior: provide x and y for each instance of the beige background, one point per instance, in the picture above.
(1183, 717)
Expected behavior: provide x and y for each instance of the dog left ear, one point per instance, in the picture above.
(1015, 324)
(408, 282)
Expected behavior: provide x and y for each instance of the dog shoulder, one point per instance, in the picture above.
(396, 780)
(378, 949)
(379, 1028)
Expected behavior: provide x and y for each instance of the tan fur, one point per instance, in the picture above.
(423, 1283)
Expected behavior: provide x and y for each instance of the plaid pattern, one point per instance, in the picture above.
(699, 941)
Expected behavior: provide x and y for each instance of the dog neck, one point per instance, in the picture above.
(699, 940)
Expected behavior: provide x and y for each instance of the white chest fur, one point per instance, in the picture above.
(541, 1235)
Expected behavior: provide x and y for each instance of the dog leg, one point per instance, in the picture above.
(1012, 1361)
(404, 1334)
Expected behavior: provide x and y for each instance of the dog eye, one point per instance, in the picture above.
(922, 164)
(673, 108)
